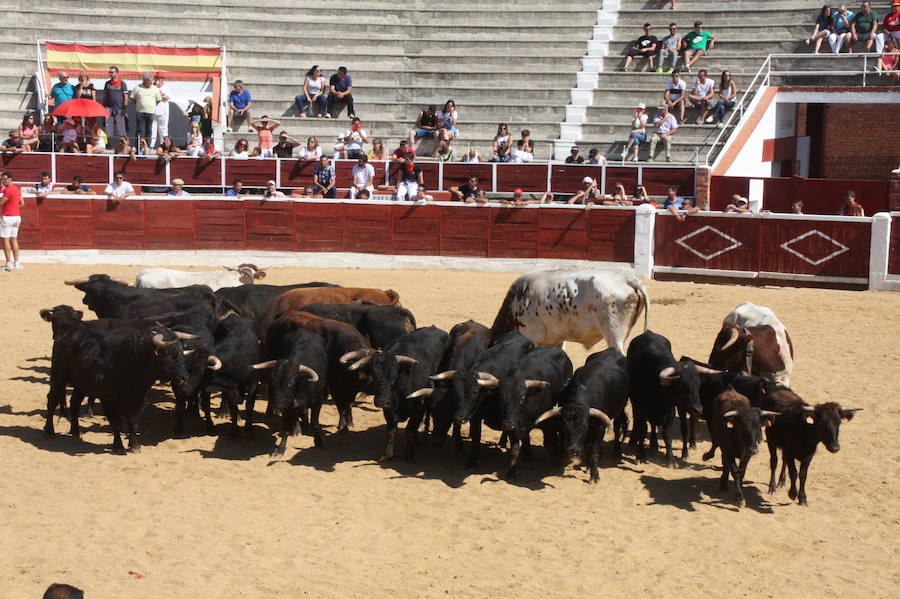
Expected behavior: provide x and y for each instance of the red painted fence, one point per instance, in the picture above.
(820, 196)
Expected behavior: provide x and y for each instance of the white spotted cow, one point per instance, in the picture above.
(751, 315)
(587, 306)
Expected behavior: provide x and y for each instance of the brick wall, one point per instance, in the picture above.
(859, 141)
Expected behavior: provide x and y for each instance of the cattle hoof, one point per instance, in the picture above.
(594, 480)
(792, 493)
(803, 501)
(119, 451)
(709, 455)
(385, 458)
(134, 450)
(771, 489)
(740, 502)
(277, 454)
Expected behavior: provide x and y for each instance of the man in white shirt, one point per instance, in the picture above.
(363, 175)
(45, 187)
(674, 93)
(119, 189)
(701, 95)
(161, 118)
(519, 155)
(666, 127)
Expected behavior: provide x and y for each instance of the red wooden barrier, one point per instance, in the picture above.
(268, 225)
(722, 188)
(658, 180)
(143, 171)
(119, 227)
(611, 236)
(170, 224)
(820, 196)
(707, 242)
(318, 227)
(66, 224)
(94, 169)
(27, 167)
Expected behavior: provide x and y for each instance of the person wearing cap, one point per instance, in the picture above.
(696, 44)
(119, 189)
(178, 189)
(674, 94)
(588, 194)
(738, 204)
(638, 133)
(890, 27)
(666, 127)
(340, 149)
(518, 199)
(160, 127)
(596, 158)
(645, 46)
(323, 178)
(574, 157)
(146, 96)
(272, 191)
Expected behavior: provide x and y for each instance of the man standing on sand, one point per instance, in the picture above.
(11, 203)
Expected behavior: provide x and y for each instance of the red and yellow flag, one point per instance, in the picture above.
(197, 62)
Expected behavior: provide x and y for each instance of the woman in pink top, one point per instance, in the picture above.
(30, 132)
(264, 128)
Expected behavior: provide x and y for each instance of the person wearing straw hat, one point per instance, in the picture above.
(178, 189)
(638, 133)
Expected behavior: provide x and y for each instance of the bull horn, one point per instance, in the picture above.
(809, 408)
(259, 275)
(851, 409)
(353, 355)
(214, 363)
(187, 352)
(359, 363)
(705, 370)
(491, 382)
(159, 342)
(312, 374)
(186, 336)
(730, 414)
(487, 376)
(46, 314)
(768, 413)
(264, 365)
(424, 392)
(406, 360)
(668, 374)
(442, 375)
(77, 281)
(600, 415)
(529, 383)
(734, 337)
(551, 413)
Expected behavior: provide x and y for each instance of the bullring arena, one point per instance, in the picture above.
(205, 516)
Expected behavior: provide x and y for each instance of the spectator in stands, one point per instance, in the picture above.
(194, 140)
(208, 150)
(443, 151)
(701, 96)
(264, 128)
(588, 194)
(30, 132)
(673, 203)
(666, 127)
(355, 137)
(240, 103)
(115, 99)
(48, 134)
(403, 148)
(44, 187)
(119, 189)
(145, 96)
(739, 204)
(696, 44)
(447, 118)
(619, 197)
(378, 151)
(85, 89)
(340, 149)
(307, 192)
(77, 186)
(236, 190)
(727, 97)
(472, 155)
(312, 151)
(841, 29)
(241, 149)
(272, 192)
(890, 28)
(95, 138)
(864, 26)
(823, 27)
(123, 148)
(178, 189)
(797, 207)
(638, 134)
(363, 175)
(661, 3)
(520, 155)
(202, 115)
(502, 152)
(674, 94)
(426, 125)
(409, 177)
(645, 46)
(527, 143)
(167, 150)
(422, 195)
(61, 92)
(160, 127)
(640, 195)
(502, 137)
(285, 146)
(574, 156)
(596, 158)
(13, 144)
(312, 100)
(470, 192)
(143, 148)
(69, 137)
(851, 207)
(889, 61)
(670, 48)
(340, 88)
(323, 178)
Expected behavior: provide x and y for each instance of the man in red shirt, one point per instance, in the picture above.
(890, 27)
(11, 203)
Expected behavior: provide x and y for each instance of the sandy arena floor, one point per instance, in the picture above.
(207, 517)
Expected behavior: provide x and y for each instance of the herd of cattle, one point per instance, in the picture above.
(222, 332)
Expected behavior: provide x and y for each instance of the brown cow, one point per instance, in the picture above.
(749, 350)
(296, 298)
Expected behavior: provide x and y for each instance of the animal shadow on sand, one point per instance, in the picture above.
(686, 493)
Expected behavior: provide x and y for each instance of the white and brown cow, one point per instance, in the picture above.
(587, 306)
(753, 338)
(167, 278)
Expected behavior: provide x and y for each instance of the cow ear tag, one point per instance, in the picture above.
(810, 420)
(729, 424)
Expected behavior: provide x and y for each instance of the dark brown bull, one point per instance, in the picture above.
(749, 350)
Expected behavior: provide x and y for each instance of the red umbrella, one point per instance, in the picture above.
(80, 107)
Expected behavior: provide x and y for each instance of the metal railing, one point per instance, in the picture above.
(771, 68)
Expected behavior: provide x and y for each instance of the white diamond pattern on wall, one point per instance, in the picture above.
(682, 241)
(840, 248)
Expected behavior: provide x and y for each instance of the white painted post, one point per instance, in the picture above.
(755, 195)
(878, 251)
(644, 225)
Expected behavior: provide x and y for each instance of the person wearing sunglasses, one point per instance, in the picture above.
(668, 48)
(13, 144)
(119, 189)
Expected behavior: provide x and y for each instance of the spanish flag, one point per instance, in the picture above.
(185, 63)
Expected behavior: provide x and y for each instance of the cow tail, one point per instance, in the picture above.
(643, 301)
(393, 296)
